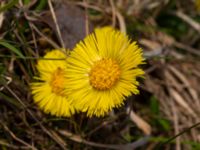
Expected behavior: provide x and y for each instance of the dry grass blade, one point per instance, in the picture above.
(122, 23)
(45, 37)
(188, 20)
(33, 116)
(61, 141)
(5, 144)
(186, 48)
(83, 4)
(1, 19)
(56, 23)
(113, 13)
(8, 81)
(143, 125)
(176, 125)
(129, 146)
(78, 139)
(113, 10)
(86, 19)
(153, 48)
(16, 138)
(180, 100)
(168, 103)
(184, 81)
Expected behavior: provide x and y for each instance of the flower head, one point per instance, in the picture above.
(102, 71)
(49, 92)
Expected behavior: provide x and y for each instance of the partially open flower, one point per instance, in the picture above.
(49, 91)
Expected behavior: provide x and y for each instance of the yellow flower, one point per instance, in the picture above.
(102, 71)
(49, 91)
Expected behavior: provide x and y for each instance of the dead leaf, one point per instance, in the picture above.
(71, 21)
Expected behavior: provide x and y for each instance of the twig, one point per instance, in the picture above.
(176, 125)
(113, 13)
(39, 123)
(16, 138)
(129, 146)
(56, 23)
(122, 23)
(78, 139)
(120, 18)
(42, 35)
(186, 48)
(86, 19)
(13, 146)
(94, 7)
(8, 81)
(34, 41)
(105, 123)
(174, 137)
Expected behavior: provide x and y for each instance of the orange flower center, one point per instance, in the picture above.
(104, 74)
(57, 81)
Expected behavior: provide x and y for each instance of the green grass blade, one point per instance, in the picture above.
(8, 5)
(41, 5)
(174, 137)
(12, 48)
(10, 100)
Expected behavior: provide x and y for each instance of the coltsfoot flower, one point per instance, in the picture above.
(102, 71)
(49, 91)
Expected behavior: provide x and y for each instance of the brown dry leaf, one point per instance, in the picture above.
(142, 124)
(71, 21)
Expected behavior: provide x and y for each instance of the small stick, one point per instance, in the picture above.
(56, 23)
(16, 138)
(33, 116)
(113, 13)
(86, 19)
